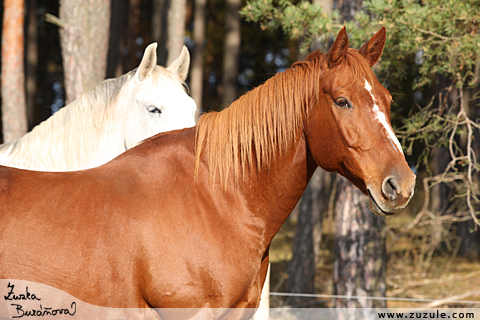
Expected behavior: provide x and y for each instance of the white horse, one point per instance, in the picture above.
(112, 117)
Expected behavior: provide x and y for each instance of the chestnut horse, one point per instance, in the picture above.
(185, 219)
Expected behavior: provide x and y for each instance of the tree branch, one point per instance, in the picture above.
(54, 20)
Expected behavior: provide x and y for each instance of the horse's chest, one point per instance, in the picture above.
(213, 291)
(207, 282)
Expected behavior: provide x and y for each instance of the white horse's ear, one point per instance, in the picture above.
(181, 65)
(148, 63)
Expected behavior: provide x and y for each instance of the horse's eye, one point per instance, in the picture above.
(153, 109)
(343, 103)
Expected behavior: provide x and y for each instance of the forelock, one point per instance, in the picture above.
(353, 69)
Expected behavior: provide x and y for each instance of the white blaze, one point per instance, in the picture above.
(380, 116)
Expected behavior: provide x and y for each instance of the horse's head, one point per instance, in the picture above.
(157, 99)
(349, 130)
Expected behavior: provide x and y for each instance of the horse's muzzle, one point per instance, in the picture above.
(395, 193)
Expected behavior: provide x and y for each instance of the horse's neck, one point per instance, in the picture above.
(67, 141)
(280, 186)
(260, 140)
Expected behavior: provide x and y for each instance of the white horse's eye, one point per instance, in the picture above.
(153, 109)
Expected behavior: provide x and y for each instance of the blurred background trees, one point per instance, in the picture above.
(84, 30)
(430, 65)
(14, 109)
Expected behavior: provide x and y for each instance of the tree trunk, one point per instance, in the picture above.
(116, 42)
(132, 34)
(231, 52)
(176, 29)
(360, 253)
(439, 197)
(31, 64)
(301, 275)
(348, 8)
(196, 79)
(84, 41)
(308, 234)
(327, 8)
(160, 27)
(14, 109)
(440, 194)
(467, 230)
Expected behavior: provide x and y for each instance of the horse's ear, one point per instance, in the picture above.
(372, 50)
(181, 65)
(337, 52)
(149, 61)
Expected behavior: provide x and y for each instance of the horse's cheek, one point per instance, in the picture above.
(323, 140)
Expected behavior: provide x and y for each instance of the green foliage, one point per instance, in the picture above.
(443, 34)
(302, 20)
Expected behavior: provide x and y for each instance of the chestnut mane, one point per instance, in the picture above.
(263, 123)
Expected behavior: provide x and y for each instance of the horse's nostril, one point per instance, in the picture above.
(390, 188)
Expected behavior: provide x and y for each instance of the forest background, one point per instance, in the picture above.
(332, 244)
